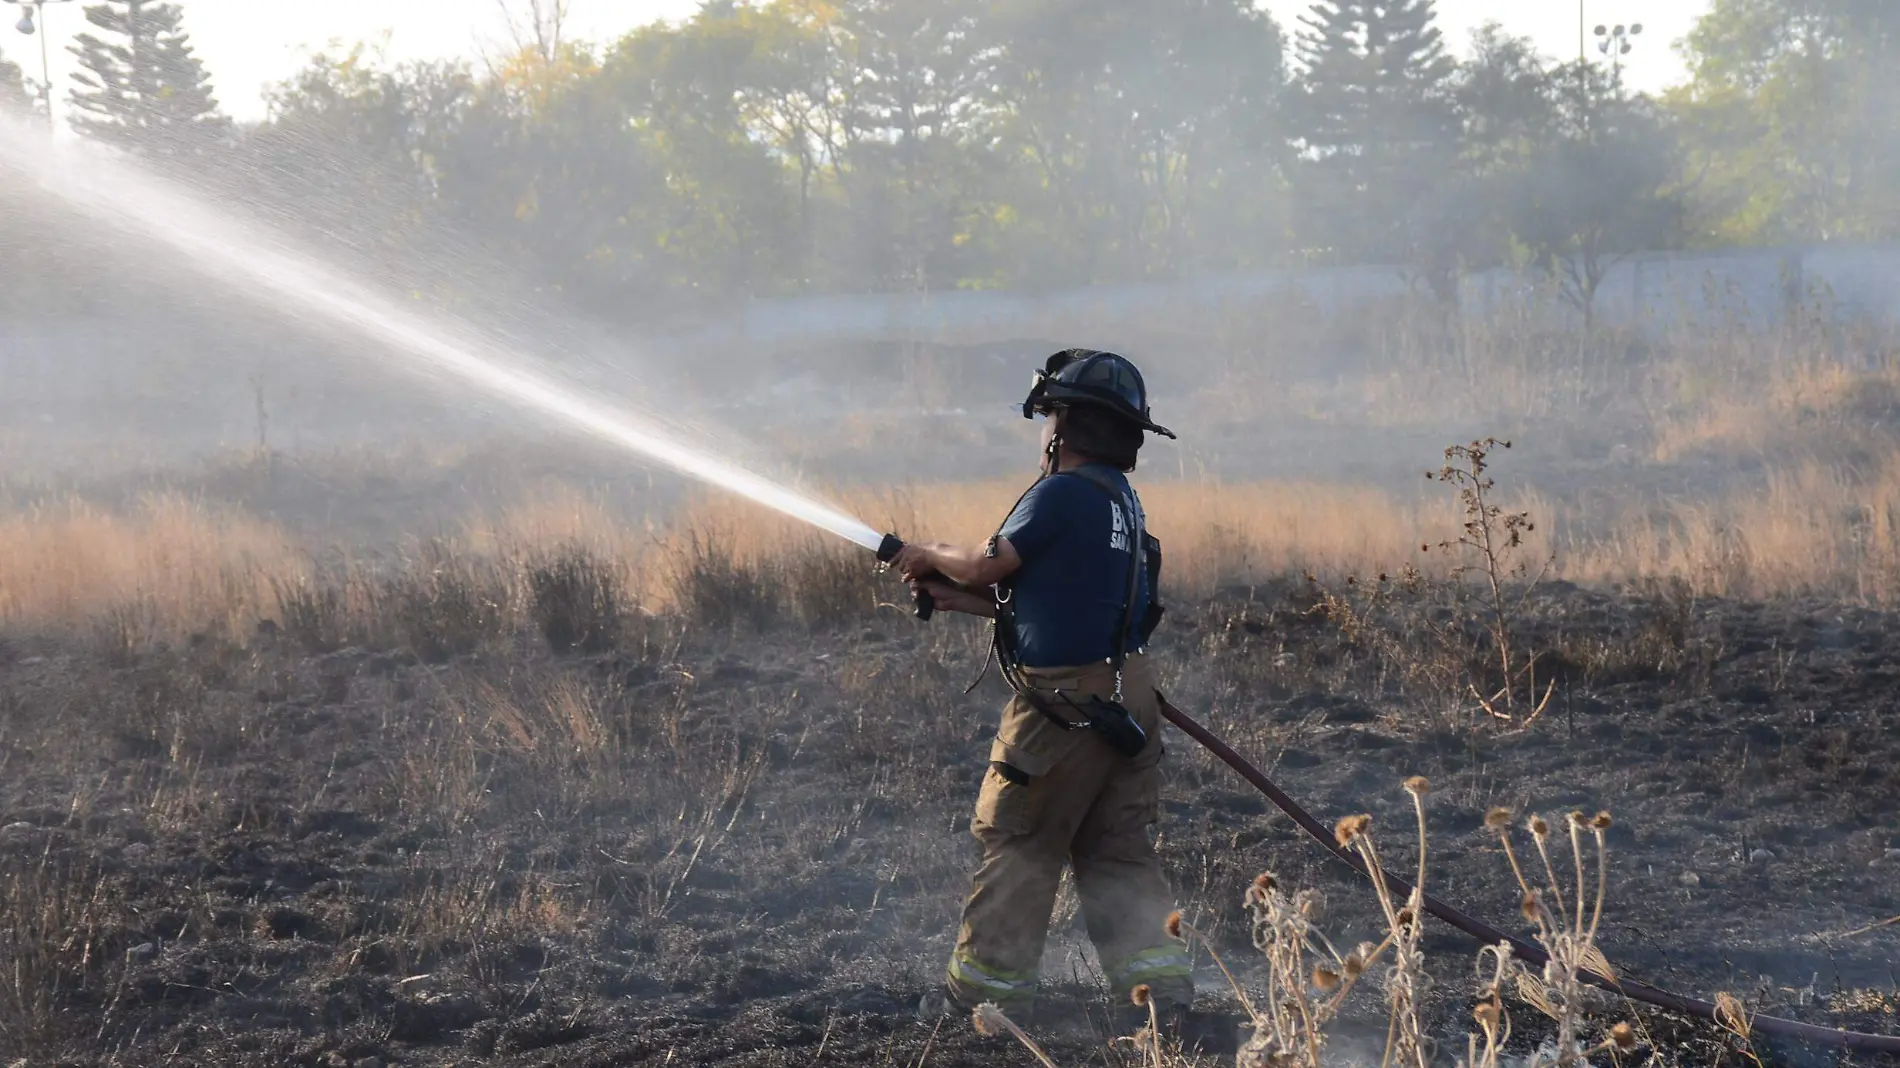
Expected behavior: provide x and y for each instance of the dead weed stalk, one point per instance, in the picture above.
(1491, 540)
(1308, 978)
(1565, 925)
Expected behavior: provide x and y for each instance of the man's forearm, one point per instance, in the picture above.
(952, 599)
(970, 565)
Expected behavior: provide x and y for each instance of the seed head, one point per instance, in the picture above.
(1418, 785)
(1354, 965)
(1624, 1036)
(1731, 1013)
(1539, 827)
(1349, 828)
(1488, 1014)
(1406, 917)
(989, 1020)
(1601, 822)
(1141, 994)
(1578, 819)
(1498, 819)
(1174, 924)
(1265, 882)
(1325, 978)
(1531, 907)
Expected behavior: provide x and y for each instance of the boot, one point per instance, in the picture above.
(938, 1002)
(1196, 1033)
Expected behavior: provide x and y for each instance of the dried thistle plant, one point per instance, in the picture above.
(990, 1021)
(1566, 926)
(1143, 997)
(1308, 977)
(1482, 1050)
(1733, 1016)
(1180, 928)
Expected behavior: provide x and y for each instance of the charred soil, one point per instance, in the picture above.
(746, 843)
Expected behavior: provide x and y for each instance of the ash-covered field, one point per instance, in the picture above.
(740, 838)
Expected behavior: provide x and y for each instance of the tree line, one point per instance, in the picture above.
(797, 146)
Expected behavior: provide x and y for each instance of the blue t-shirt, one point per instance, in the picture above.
(1075, 541)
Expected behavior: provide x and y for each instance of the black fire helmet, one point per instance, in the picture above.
(1103, 380)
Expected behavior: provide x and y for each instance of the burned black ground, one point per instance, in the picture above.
(745, 844)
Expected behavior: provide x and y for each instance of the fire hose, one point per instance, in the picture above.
(1523, 949)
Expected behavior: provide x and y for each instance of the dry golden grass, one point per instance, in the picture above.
(1811, 529)
(180, 563)
(1770, 409)
(172, 566)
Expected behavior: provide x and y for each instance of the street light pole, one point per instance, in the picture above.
(1616, 43)
(32, 20)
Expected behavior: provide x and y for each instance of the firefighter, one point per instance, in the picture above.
(1070, 580)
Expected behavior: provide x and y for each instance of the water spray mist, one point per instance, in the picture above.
(267, 265)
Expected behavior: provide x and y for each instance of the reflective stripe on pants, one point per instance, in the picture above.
(1163, 966)
(975, 982)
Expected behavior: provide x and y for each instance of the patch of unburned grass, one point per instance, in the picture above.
(584, 577)
(167, 567)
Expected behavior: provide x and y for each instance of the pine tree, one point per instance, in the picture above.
(13, 92)
(1376, 122)
(145, 88)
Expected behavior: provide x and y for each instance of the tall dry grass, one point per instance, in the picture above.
(171, 567)
(1810, 529)
(180, 564)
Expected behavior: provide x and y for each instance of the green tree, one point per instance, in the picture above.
(1376, 121)
(1140, 138)
(711, 214)
(142, 86)
(351, 130)
(1603, 184)
(1792, 121)
(795, 93)
(1504, 101)
(914, 114)
(1504, 93)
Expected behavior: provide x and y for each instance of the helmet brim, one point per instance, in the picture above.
(1065, 398)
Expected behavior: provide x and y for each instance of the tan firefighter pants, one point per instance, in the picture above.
(1082, 804)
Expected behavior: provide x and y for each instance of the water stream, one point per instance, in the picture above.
(269, 267)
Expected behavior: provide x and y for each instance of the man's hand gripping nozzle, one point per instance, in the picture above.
(887, 551)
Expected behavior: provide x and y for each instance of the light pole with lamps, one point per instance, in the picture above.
(32, 18)
(1616, 43)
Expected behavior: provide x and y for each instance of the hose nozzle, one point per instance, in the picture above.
(887, 551)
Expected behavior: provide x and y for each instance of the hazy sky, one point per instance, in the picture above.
(248, 44)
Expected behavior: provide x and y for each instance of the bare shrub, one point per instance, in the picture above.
(1491, 539)
(56, 918)
(713, 583)
(575, 601)
(443, 603)
(312, 613)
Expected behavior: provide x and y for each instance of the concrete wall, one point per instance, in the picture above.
(1651, 291)
(49, 372)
